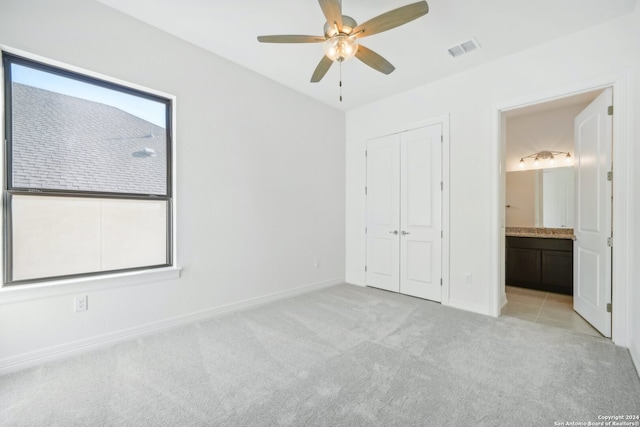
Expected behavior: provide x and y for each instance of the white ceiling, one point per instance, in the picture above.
(581, 99)
(418, 49)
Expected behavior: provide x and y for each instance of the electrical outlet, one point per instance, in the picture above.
(80, 303)
(467, 279)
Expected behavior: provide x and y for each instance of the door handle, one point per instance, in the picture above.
(404, 233)
(393, 232)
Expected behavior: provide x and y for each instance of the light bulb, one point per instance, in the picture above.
(340, 48)
(522, 163)
(568, 159)
(552, 159)
(536, 161)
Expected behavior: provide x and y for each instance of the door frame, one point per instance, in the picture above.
(621, 269)
(444, 122)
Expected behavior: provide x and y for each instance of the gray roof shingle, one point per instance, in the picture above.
(66, 143)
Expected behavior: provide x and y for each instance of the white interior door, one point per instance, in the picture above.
(421, 213)
(383, 213)
(591, 254)
(404, 213)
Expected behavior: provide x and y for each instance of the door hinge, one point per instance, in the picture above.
(610, 176)
(441, 186)
(440, 282)
(610, 110)
(365, 230)
(441, 234)
(441, 138)
(365, 268)
(365, 153)
(365, 191)
(608, 307)
(610, 242)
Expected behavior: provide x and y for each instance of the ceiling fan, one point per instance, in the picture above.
(341, 34)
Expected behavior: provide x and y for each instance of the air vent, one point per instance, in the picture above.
(464, 47)
(456, 51)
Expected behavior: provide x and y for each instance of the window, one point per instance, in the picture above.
(87, 175)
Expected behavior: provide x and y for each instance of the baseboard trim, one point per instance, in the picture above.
(634, 349)
(464, 305)
(38, 357)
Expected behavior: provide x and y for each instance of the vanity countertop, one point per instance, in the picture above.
(547, 233)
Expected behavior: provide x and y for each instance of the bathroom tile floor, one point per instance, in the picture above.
(546, 308)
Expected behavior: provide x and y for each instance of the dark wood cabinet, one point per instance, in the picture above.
(540, 263)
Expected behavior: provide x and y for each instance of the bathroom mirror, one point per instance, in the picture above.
(540, 198)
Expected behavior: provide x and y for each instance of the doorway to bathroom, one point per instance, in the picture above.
(557, 219)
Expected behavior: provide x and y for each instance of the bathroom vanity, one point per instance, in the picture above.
(540, 258)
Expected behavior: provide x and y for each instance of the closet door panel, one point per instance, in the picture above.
(421, 212)
(383, 213)
(417, 269)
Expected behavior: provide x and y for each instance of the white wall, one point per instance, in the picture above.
(261, 172)
(633, 300)
(471, 99)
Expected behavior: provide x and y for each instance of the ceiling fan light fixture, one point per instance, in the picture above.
(340, 48)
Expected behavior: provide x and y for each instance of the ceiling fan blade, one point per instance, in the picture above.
(321, 69)
(291, 39)
(374, 60)
(332, 10)
(393, 18)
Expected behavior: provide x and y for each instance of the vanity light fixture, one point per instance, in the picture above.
(546, 155)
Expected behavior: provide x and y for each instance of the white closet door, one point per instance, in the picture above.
(383, 213)
(421, 213)
(591, 255)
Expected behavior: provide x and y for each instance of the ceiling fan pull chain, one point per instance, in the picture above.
(340, 81)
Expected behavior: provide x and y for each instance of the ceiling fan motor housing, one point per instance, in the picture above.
(348, 24)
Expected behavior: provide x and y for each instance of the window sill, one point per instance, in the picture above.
(19, 293)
